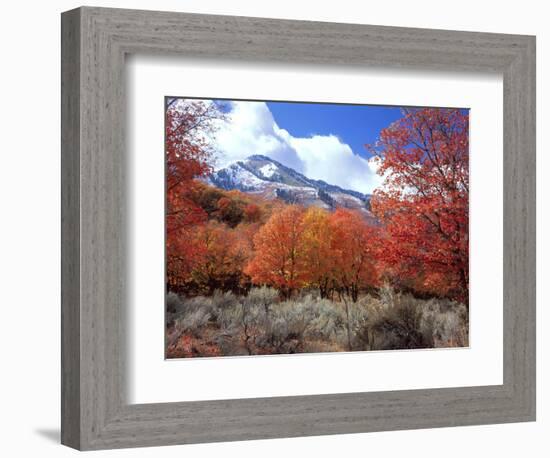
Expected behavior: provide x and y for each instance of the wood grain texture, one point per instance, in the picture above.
(70, 229)
(96, 414)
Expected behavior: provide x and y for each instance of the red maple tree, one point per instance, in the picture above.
(188, 156)
(423, 201)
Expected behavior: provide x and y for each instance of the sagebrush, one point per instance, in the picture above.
(263, 323)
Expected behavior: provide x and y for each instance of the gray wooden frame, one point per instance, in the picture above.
(95, 413)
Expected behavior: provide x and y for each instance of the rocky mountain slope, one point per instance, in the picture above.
(262, 175)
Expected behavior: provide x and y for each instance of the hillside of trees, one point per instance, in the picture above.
(247, 275)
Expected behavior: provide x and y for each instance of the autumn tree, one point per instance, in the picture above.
(318, 256)
(353, 251)
(352, 247)
(423, 201)
(278, 260)
(230, 211)
(252, 213)
(207, 197)
(188, 155)
(221, 259)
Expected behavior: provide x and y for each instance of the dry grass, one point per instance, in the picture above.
(225, 324)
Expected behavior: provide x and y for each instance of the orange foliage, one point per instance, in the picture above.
(318, 256)
(353, 249)
(278, 259)
(252, 213)
(298, 247)
(223, 253)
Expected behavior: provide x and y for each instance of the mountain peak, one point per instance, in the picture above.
(260, 157)
(263, 175)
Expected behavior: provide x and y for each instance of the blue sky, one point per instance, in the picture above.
(355, 125)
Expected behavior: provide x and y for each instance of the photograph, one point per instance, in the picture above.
(294, 227)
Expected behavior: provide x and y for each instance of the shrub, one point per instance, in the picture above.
(326, 318)
(187, 318)
(449, 321)
(174, 306)
(399, 328)
(192, 314)
(401, 321)
(260, 323)
(397, 323)
(241, 325)
(192, 322)
(294, 322)
(220, 302)
(225, 300)
(173, 302)
(263, 297)
(360, 314)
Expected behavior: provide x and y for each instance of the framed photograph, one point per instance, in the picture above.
(279, 228)
(309, 247)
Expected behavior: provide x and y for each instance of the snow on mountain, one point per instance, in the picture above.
(236, 177)
(268, 170)
(264, 176)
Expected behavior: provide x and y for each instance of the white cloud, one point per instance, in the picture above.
(251, 129)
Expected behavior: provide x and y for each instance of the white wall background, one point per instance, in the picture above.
(30, 246)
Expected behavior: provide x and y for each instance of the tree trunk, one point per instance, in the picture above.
(354, 293)
(465, 286)
(348, 322)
